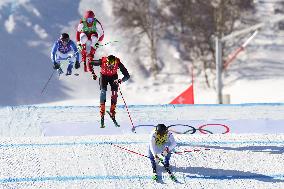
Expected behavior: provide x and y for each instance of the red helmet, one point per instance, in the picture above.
(89, 17)
(89, 14)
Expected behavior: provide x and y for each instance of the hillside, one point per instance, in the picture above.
(29, 30)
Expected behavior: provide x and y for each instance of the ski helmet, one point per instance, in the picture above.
(111, 58)
(64, 37)
(161, 129)
(89, 16)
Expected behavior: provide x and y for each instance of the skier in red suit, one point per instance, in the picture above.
(109, 66)
(89, 32)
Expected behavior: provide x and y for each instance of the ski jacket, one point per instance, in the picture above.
(96, 29)
(58, 46)
(157, 146)
(105, 70)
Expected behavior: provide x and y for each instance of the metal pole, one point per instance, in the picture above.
(218, 55)
(47, 82)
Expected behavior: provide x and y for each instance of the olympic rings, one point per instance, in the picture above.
(227, 129)
(192, 129)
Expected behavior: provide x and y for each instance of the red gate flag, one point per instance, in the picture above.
(187, 97)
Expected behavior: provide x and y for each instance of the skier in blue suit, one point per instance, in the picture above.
(65, 49)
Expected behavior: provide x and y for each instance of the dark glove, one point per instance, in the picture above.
(95, 77)
(158, 159)
(165, 151)
(97, 45)
(56, 66)
(118, 81)
(79, 46)
(77, 64)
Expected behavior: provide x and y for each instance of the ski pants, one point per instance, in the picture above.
(104, 81)
(61, 58)
(152, 159)
(92, 40)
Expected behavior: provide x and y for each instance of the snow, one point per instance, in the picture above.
(84, 156)
(92, 162)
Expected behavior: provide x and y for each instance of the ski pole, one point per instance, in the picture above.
(161, 159)
(47, 82)
(133, 128)
(174, 152)
(106, 43)
(129, 150)
(187, 151)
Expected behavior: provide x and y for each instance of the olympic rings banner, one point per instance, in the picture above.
(201, 127)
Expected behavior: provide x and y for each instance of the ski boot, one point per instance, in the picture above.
(172, 177)
(102, 112)
(155, 176)
(102, 122)
(112, 114)
(112, 110)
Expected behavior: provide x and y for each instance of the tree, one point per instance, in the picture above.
(196, 23)
(141, 18)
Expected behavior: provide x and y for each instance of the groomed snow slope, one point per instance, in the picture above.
(233, 161)
(28, 120)
(96, 161)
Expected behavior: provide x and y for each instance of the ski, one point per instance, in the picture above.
(113, 119)
(172, 177)
(155, 177)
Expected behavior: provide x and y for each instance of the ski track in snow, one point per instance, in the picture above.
(92, 162)
(28, 160)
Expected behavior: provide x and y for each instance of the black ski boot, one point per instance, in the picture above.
(102, 113)
(102, 122)
(172, 176)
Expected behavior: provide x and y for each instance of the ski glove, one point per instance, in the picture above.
(94, 75)
(118, 81)
(165, 152)
(79, 47)
(56, 66)
(97, 45)
(77, 64)
(60, 71)
(157, 159)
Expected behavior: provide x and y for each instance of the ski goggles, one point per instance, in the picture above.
(90, 20)
(110, 62)
(65, 41)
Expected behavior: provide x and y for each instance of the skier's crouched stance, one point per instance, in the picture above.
(60, 52)
(109, 66)
(161, 145)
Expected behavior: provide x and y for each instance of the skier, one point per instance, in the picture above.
(160, 148)
(62, 50)
(89, 32)
(109, 66)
